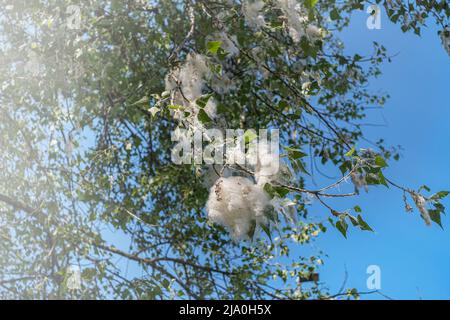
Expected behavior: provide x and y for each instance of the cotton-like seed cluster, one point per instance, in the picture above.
(259, 158)
(186, 85)
(297, 20)
(210, 174)
(228, 43)
(237, 204)
(421, 204)
(295, 16)
(253, 14)
(190, 78)
(224, 83)
(359, 181)
(267, 165)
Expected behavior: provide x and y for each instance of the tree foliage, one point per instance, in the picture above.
(86, 123)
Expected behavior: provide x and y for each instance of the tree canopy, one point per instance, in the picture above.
(91, 94)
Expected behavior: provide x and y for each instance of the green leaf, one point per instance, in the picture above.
(203, 100)
(440, 195)
(281, 191)
(221, 54)
(251, 231)
(143, 100)
(379, 161)
(342, 226)
(345, 166)
(203, 117)
(308, 49)
(354, 221)
(217, 69)
(351, 152)
(310, 3)
(357, 209)
(439, 206)
(266, 229)
(271, 214)
(249, 136)
(295, 153)
(363, 225)
(278, 191)
(298, 164)
(382, 179)
(435, 215)
(334, 14)
(174, 107)
(213, 46)
(283, 105)
(276, 24)
(270, 190)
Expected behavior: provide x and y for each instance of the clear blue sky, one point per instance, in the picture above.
(414, 259)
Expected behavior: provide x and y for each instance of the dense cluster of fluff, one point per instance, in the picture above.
(187, 82)
(267, 165)
(294, 15)
(228, 43)
(238, 202)
(211, 173)
(297, 20)
(253, 14)
(359, 181)
(421, 204)
(190, 78)
(185, 85)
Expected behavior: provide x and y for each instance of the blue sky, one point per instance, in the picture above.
(414, 259)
